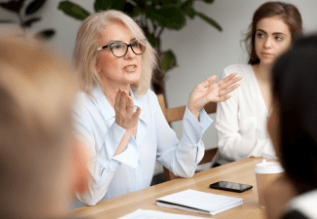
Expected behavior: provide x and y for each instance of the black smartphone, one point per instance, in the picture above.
(230, 186)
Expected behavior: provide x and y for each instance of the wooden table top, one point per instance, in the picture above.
(239, 171)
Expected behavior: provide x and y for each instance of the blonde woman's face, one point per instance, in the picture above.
(272, 39)
(121, 71)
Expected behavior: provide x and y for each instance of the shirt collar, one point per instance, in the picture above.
(102, 104)
(138, 103)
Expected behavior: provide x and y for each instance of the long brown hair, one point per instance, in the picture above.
(287, 12)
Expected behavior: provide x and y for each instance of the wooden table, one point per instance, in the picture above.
(240, 172)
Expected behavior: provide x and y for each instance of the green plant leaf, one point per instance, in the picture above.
(46, 34)
(131, 10)
(168, 61)
(119, 5)
(13, 5)
(34, 6)
(153, 41)
(190, 12)
(170, 2)
(188, 3)
(187, 8)
(208, 1)
(73, 10)
(29, 22)
(102, 5)
(142, 3)
(170, 17)
(209, 20)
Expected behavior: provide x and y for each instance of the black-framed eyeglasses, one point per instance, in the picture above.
(120, 49)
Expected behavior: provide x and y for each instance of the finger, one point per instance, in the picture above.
(130, 104)
(230, 82)
(229, 77)
(221, 99)
(226, 79)
(124, 97)
(225, 98)
(120, 99)
(228, 90)
(117, 100)
(137, 113)
(209, 81)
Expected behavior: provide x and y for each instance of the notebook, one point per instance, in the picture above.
(199, 202)
(150, 214)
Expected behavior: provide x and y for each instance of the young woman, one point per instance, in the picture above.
(120, 119)
(241, 121)
(292, 126)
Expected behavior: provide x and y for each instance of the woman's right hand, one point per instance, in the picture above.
(126, 116)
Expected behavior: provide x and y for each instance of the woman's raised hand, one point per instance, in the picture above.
(208, 92)
(126, 116)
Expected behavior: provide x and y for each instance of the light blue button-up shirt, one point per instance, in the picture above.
(133, 169)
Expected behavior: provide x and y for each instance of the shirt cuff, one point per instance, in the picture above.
(130, 156)
(113, 139)
(194, 129)
(204, 119)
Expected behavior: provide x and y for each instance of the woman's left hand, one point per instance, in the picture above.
(208, 92)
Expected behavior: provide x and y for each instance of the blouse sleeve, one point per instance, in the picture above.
(232, 145)
(102, 145)
(181, 157)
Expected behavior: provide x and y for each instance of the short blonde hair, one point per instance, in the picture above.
(35, 128)
(86, 54)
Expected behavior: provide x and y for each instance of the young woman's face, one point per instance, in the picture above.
(125, 70)
(272, 39)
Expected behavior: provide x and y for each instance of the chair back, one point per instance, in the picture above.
(177, 114)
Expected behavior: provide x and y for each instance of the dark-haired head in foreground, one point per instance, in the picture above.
(293, 123)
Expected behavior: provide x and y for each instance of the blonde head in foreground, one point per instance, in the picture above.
(37, 89)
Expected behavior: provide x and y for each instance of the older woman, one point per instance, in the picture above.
(119, 117)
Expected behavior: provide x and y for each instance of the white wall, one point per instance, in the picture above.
(201, 50)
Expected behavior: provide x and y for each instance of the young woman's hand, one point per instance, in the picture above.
(211, 92)
(126, 116)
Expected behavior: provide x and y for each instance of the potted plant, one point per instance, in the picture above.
(26, 15)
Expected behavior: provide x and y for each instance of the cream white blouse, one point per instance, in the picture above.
(241, 120)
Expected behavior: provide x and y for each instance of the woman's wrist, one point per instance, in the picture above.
(194, 112)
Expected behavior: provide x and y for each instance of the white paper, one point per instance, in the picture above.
(150, 214)
(199, 202)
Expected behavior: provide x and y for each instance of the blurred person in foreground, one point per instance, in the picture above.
(292, 126)
(119, 118)
(41, 165)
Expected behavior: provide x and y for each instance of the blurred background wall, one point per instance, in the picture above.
(201, 50)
